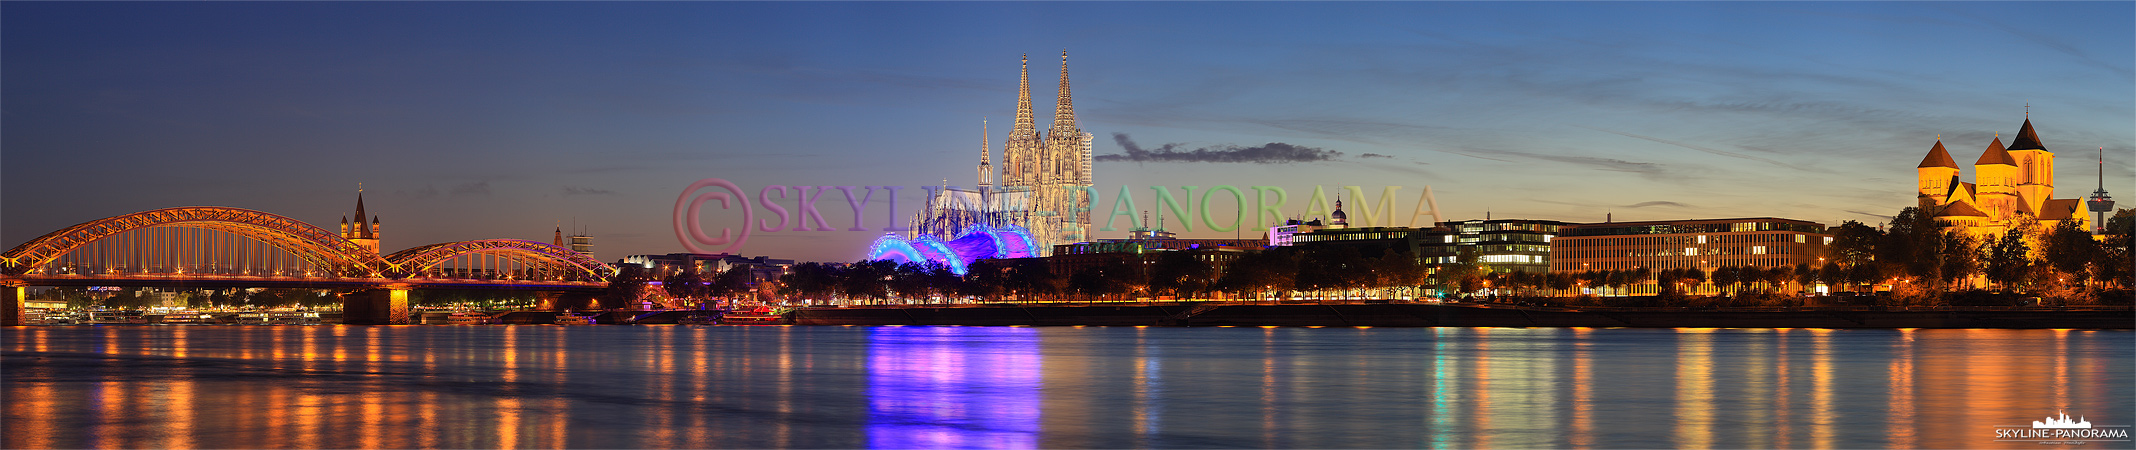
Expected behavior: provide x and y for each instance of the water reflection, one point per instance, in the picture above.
(1095, 387)
(1694, 388)
(953, 387)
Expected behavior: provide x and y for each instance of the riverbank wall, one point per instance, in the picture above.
(1444, 315)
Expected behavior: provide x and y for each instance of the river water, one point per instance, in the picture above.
(1012, 387)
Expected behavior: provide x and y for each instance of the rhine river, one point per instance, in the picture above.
(1083, 387)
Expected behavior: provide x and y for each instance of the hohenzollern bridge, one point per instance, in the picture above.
(218, 247)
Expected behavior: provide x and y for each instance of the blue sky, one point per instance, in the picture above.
(502, 120)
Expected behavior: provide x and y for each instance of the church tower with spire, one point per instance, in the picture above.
(1019, 156)
(358, 231)
(2034, 180)
(1066, 144)
(986, 169)
(1937, 173)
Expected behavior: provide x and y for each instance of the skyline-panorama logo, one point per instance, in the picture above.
(2062, 430)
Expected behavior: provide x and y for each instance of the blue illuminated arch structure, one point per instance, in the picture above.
(976, 243)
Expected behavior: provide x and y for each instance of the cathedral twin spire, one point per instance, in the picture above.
(1029, 159)
(1047, 166)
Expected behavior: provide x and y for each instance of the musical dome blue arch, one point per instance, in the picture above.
(976, 243)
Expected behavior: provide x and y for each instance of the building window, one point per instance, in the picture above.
(1701, 239)
(1757, 250)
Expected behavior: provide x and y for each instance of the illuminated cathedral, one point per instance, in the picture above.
(1055, 168)
(2009, 185)
(1042, 184)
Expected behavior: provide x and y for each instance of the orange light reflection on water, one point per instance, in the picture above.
(1694, 388)
(1582, 427)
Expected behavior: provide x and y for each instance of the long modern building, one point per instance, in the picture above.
(1508, 244)
(1676, 244)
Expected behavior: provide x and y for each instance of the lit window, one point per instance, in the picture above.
(1701, 239)
(1757, 250)
(1689, 251)
(1802, 238)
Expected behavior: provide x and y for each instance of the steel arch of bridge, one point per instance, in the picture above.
(315, 245)
(412, 262)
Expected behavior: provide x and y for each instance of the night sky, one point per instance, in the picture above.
(506, 120)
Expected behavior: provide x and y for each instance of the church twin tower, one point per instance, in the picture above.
(2010, 183)
(1054, 168)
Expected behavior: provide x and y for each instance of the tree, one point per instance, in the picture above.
(2116, 262)
(1805, 276)
(1089, 281)
(1448, 277)
(1861, 275)
(684, 284)
(626, 287)
(867, 279)
(1833, 274)
(2071, 251)
(1031, 277)
(1256, 273)
(1777, 277)
(1397, 269)
(1562, 281)
(1854, 243)
(2008, 261)
(1181, 273)
(1616, 280)
(1957, 258)
(943, 281)
(1726, 276)
(734, 281)
(814, 281)
(1908, 248)
(909, 280)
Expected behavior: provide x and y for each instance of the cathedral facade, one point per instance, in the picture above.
(1054, 168)
(2010, 185)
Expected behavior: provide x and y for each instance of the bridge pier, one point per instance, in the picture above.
(11, 299)
(385, 306)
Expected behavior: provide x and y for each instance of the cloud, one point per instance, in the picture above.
(1373, 155)
(425, 193)
(1270, 153)
(1693, 147)
(1657, 203)
(475, 188)
(1609, 164)
(1879, 216)
(575, 191)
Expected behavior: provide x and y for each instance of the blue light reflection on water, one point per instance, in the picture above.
(953, 387)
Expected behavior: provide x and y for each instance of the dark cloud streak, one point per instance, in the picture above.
(1270, 153)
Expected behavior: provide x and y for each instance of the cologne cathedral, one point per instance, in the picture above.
(1044, 180)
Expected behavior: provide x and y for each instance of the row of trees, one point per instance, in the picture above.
(1927, 259)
